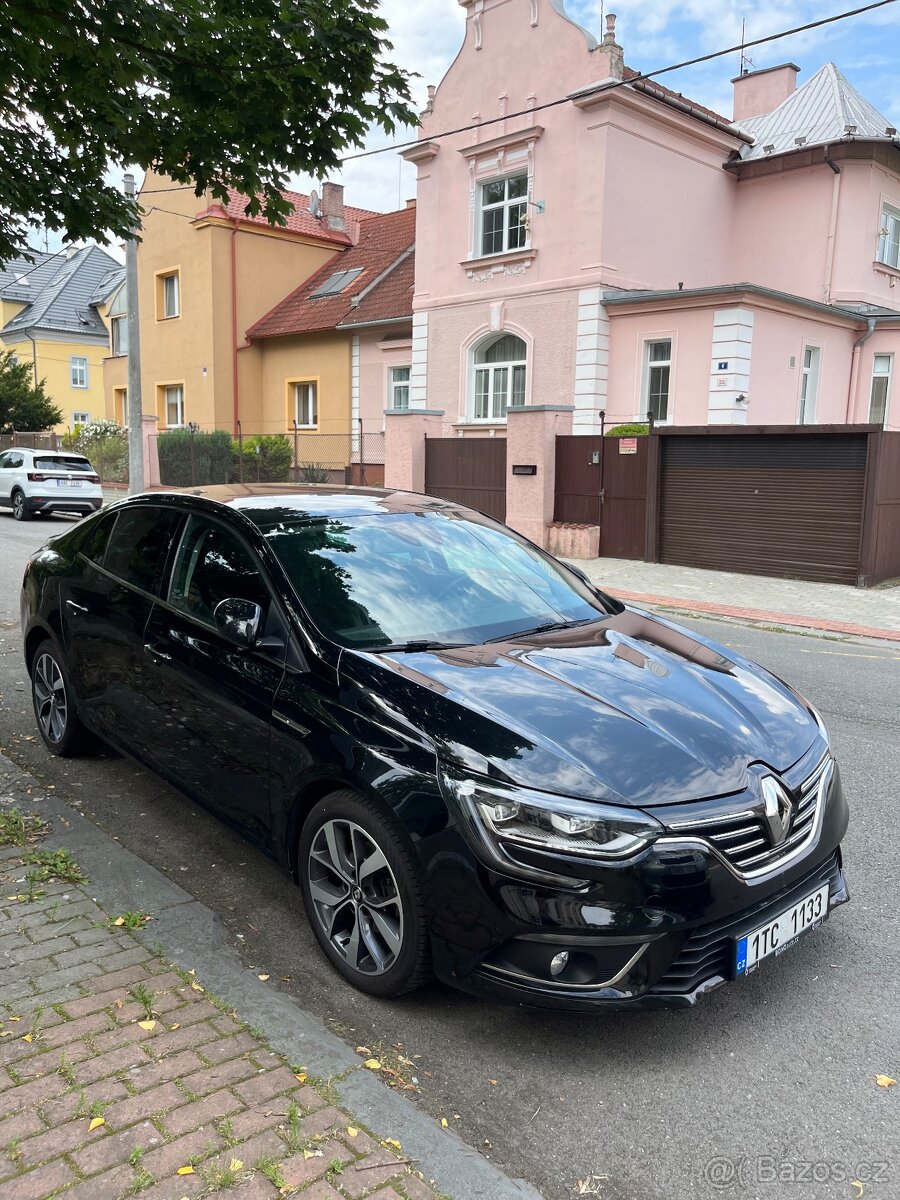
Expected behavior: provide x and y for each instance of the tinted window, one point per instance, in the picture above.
(139, 544)
(57, 462)
(96, 537)
(213, 565)
(11, 459)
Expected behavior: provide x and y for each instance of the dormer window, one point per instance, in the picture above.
(504, 209)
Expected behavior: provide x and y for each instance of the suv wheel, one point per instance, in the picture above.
(20, 509)
(58, 722)
(363, 895)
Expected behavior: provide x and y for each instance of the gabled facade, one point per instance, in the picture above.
(53, 314)
(627, 250)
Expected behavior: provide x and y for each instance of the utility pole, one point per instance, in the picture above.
(135, 408)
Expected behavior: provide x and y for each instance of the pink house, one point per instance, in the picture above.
(595, 240)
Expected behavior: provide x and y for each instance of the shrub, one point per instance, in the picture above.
(188, 459)
(267, 458)
(312, 473)
(105, 443)
(632, 430)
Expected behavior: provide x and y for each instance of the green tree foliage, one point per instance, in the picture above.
(214, 93)
(23, 404)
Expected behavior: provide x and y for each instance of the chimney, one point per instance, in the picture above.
(410, 204)
(333, 206)
(759, 92)
(610, 56)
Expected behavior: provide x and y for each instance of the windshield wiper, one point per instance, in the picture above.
(548, 627)
(420, 647)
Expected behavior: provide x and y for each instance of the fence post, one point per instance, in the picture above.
(296, 450)
(531, 433)
(405, 432)
(240, 439)
(651, 540)
(362, 454)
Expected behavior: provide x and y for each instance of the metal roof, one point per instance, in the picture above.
(66, 301)
(828, 108)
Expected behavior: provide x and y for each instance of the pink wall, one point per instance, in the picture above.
(379, 350)
(857, 277)
(691, 334)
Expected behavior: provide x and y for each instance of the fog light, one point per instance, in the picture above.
(559, 962)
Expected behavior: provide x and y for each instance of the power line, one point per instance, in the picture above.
(647, 75)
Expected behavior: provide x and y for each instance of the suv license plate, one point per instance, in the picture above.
(781, 933)
(70, 483)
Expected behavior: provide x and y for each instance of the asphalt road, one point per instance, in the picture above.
(766, 1089)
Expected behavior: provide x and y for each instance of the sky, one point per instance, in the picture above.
(654, 33)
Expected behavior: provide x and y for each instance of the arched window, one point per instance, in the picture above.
(500, 366)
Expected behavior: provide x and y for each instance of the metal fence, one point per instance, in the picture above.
(30, 441)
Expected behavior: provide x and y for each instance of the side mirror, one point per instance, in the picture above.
(239, 621)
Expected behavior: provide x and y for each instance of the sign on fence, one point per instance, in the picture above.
(628, 445)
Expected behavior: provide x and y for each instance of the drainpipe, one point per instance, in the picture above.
(234, 326)
(832, 229)
(33, 357)
(854, 367)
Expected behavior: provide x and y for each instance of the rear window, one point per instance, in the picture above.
(137, 549)
(59, 462)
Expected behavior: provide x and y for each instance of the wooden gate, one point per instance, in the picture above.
(621, 512)
(471, 471)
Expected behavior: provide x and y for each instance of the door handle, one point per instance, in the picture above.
(77, 608)
(157, 654)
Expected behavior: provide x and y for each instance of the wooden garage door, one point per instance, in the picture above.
(786, 505)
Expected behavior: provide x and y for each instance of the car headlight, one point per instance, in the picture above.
(507, 816)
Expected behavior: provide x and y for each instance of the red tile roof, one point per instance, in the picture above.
(383, 241)
(300, 220)
(665, 93)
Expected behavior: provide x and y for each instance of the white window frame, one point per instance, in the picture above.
(877, 376)
(647, 375)
(889, 235)
(497, 401)
(398, 389)
(178, 402)
(80, 417)
(810, 374)
(306, 393)
(172, 277)
(118, 328)
(505, 206)
(78, 371)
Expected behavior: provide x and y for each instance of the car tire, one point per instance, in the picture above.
(60, 727)
(19, 507)
(363, 894)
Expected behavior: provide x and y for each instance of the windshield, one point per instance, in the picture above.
(373, 582)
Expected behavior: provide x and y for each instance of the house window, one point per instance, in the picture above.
(881, 388)
(504, 208)
(120, 405)
(889, 241)
(500, 371)
(78, 371)
(168, 301)
(306, 405)
(809, 385)
(119, 335)
(657, 378)
(81, 418)
(173, 398)
(398, 387)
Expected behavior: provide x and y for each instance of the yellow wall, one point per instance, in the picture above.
(53, 366)
(196, 348)
(324, 357)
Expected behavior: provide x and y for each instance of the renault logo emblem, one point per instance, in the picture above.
(778, 809)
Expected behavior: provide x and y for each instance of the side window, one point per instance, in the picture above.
(213, 565)
(4, 461)
(97, 536)
(139, 544)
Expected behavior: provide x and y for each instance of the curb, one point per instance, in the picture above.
(192, 936)
(754, 614)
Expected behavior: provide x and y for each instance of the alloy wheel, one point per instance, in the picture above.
(355, 897)
(18, 506)
(50, 700)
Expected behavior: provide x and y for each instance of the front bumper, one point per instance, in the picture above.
(657, 932)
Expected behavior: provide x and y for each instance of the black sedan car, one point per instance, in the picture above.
(474, 763)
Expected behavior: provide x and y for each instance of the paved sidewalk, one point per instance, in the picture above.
(830, 607)
(123, 1075)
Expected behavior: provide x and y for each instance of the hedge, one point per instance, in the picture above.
(189, 459)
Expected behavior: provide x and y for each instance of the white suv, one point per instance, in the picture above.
(47, 481)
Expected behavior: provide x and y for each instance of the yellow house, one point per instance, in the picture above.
(52, 315)
(206, 272)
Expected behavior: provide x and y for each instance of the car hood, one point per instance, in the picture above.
(631, 710)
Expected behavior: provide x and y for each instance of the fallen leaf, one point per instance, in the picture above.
(119, 921)
(235, 1165)
(854, 1183)
(185, 1171)
(6, 1033)
(391, 1142)
(363, 1050)
(885, 1081)
(120, 1004)
(302, 1077)
(14, 1018)
(262, 978)
(308, 1154)
(28, 1038)
(96, 1123)
(352, 1132)
(195, 986)
(175, 1026)
(444, 1122)
(373, 1064)
(492, 1082)
(148, 1025)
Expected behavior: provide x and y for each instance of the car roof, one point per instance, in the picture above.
(271, 503)
(51, 453)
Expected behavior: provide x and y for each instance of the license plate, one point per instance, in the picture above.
(782, 932)
(70, 483)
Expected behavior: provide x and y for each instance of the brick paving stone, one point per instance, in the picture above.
(59, 1140)
(106, 1091)
(166, 1160)
(171, 1067)
(183, 1187)
(251, 1121)
(221, 1075)
(115, 1148)
(262, 1145)
(37, 1184)
(20, 1125)
(202, 1112)
(323, 1122)
(299, 1171)
(29, 1094)
(186, 1036)
(96, 1002)
(365, 1175)
(108, 1064)
(322, 1191)
(225, 1048)
(71, 1031)
(123, 1035)
(115, 979)
(112, 1185)
(267, 1085)
(157, 1100)
(256, 1187)
(416, 1189)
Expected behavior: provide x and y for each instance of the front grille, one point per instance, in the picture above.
(743, 837)
(709, 951)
